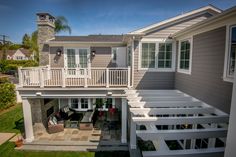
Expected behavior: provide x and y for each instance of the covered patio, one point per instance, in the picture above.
(169, 123)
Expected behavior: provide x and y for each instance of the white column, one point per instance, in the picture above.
(124, 120)
(133, 140)
(231, 138)
(29, 134)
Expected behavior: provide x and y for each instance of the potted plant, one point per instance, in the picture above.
(19, 142)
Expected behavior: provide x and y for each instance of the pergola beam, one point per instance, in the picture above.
(166, 111)
(180, 120)
(214, 152)
(181, 134)
(166, 104)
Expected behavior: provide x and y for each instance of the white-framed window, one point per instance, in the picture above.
(74, 103)
(19, 58)
(230, 52)
(148, 55)
(185, 56)
(165, 55)
(157, 55)
(114, 55)
(129, 55)
(84, 103)
(76, 57)
(80, 104)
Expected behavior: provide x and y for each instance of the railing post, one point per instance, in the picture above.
(107, 77)
(63, 77)
(20, 76)
(129, 73)
(86, 78)
(41, 80)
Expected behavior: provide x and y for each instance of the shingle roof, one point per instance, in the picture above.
(91, 38)
(26, 52)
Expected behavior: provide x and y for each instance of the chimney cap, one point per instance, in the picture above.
(45, 13)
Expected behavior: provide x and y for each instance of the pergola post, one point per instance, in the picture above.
(133, 140)
(29, 134)
(124, 121)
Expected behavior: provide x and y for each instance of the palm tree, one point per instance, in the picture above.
(61, 24)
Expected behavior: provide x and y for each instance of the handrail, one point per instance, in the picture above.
(74, 77)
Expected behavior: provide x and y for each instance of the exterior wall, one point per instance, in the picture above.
(55, 60)
(18, 53)
(102, 57)
(45, 32)
(206, 79)
(39, 110)
(144, 79)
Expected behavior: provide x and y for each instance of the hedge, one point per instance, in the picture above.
(12, 65)
(7, 95)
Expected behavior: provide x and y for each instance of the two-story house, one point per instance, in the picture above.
(165, 88)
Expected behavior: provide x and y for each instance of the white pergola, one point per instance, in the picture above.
(186, 118)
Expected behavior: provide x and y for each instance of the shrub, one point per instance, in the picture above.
(7, 95)
(7, 66)
(4, 80)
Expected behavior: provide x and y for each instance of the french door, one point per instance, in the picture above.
(77, 61)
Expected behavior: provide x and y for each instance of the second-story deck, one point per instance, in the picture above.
(46, 77)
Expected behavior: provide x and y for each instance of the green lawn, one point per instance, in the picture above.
(12, 121)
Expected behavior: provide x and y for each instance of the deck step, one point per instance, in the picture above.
(35, 147)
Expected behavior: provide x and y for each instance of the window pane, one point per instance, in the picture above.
(148, 55)
(231, 61)
(184, 55)
(160, 64)
(161, 55)
(168, 55)
(74, 103)
(71, 58)
(169, 47)
(84, 103)
(83, 58)
(168, 64)
(161, 47)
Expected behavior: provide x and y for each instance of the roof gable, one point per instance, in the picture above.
(189, 15)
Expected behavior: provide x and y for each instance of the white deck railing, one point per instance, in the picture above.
(74, 77)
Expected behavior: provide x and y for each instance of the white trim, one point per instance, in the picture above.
(190, 56)
(191, 13)
(157, 42)
(226, 77)
(132, 51)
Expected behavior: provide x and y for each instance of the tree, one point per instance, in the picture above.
(61, 24)
(26, 41)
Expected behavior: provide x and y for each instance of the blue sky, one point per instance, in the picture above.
(95, 16)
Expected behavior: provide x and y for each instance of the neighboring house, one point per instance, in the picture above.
(166, 87)
(19, 54)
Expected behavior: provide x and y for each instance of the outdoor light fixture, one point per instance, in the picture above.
(93, 53)
(59, 52)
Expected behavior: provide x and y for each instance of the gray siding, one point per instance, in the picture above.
(167, 31)
(55, 60)
(102, 57)
(205, 81)
(144, 79)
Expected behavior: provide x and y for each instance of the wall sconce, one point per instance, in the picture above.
(59, 52)
(93, 53)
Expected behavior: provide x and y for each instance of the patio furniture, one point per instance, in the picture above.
(55, 126)
(86, 123)
(66, 112)
(73, 124)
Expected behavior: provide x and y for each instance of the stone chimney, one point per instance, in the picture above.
(46, 26)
